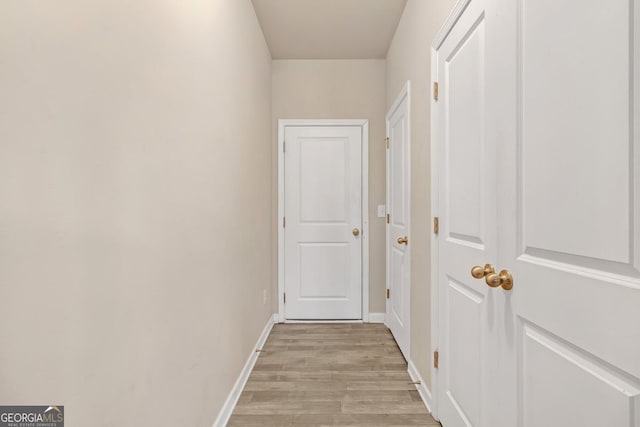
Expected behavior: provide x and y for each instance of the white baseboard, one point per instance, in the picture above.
(425, 393)
(323, 321)
(376, 317)
(234, 395)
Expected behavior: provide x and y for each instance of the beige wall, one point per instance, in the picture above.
(135, 206)
(409, 58)
(337, 89)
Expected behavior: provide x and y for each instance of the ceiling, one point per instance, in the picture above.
(328, 29)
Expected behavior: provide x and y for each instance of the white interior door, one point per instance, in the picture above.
(570, 212)
(550, 92)
(467, 226)
(323, 222)
(398, 268)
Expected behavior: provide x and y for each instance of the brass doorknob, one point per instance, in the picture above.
(504, 279)
(479, 272)
(355, 232)
(403, 240)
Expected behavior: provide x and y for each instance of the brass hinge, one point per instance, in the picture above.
(435, 359)
(284, 221)
(387, 142)
(388, 293)
(435, 91)
(388, 218)
(285, 297)
(436, 225)
(284, 146)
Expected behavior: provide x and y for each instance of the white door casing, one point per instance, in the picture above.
(561, 88)
(398, 317)
(322, 191)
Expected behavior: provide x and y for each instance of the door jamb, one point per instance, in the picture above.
(364, 124)
(435, 324)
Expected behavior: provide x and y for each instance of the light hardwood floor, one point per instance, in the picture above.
(345, 374)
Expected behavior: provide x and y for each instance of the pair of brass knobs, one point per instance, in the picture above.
(492, 278)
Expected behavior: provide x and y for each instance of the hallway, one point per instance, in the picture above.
(178, 180)
(330, 374)
(139, 195)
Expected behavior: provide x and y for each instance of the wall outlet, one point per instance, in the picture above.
(381, 211)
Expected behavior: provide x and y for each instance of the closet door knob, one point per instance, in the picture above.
(504, 279)
(479, 272)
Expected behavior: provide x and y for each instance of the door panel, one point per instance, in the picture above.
(398, 157)
(466, 200)
(323, 204)
(324, 180)
(553, 371)
(466, 314)
(465, 149)
(576, 138)
(570, 176)
(398, 272)
(324, 270)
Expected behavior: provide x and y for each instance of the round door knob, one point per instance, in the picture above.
(403, 240)
(493, 280)
(504, 279)
(479, 272)
(355, 231)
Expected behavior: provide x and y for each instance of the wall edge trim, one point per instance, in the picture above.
(232, 399)
(376, 317)
(424, 392)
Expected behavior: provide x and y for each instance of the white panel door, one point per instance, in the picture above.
(397, 316)
(323, 211)
(467, 225)
(569, 211)
(549, 91)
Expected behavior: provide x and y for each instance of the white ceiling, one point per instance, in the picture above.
(328, 29)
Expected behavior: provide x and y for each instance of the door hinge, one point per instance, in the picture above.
(436, 225)
(388, 293)
(284, 146)
(435, 91)
(284, 221)
(435, 359)
(388, 218)
(285, 297)
(387, 142)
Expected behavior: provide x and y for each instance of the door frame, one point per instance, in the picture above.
(364, 125)
(404, 94)
(440, 37)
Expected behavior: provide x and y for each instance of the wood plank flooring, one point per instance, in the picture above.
(338, 374)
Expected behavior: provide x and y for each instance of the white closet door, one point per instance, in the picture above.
(467, 202)
(398, 315)
(569, 212)
(323, 211)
